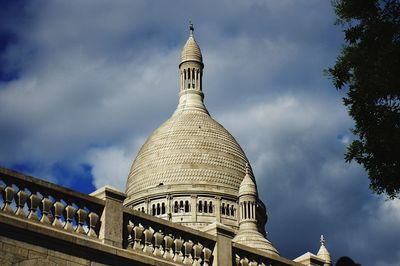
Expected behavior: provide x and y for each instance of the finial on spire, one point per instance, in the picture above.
(322, 240)
(191, 28)
(247, 169)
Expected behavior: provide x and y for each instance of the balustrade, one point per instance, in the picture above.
(154, 237)
(43, 202)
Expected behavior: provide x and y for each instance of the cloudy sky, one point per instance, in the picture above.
(83, 83)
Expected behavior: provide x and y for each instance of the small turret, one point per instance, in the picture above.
(323, 253)
(191, 76)
(248, 231)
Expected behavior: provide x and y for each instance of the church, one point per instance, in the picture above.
(191, 198)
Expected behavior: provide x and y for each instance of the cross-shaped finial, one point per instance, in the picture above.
(322, 240)
(191, 28)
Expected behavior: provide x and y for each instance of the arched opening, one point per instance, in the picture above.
(210, 207)
(193, 82)
(200, 206)
(232, 211)
(189, 78)
(205, 207)
(153, 209)
(181, 208)
(186, 206)
(163, 208)
(158, 209)
(227, 210)
(142, 209)
(176, 207)
(223, 208)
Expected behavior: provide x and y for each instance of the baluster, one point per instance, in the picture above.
(188, 245)
(138, 233)
(46, 206)
(33, 204)
(148, 237)
(253, 263)
(244, 262)
(158, 238)
(168, 240)
(9, 195)
(22, 198)
(197, 249)
(58, 209)
(178, 247)
(237, 260)
(207, 256)
(70, 211)
(93, 220)
(129, 227)
(82, 215)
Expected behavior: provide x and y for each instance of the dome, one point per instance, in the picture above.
(190, 169)
(189, 149)
(191, 51)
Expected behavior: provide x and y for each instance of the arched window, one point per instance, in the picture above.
(227, 210)
(193, 82)
(153, 209)
(205, 209)
(186, 206)
(232, 211)
(181, 207)
(210, 207)
(163, 208)
(189, 78)
(142, 209)
(200, 206)
(223, 208)
(176, 208)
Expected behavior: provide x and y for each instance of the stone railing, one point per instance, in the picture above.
(100, 222)
(160, 238)
(46, 203)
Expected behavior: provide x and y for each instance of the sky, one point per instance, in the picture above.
(83, 83)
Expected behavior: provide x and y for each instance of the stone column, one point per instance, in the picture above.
(218, 209)
(111, 229)
(193, 206)
(169, 207)
(147, 203)
(223, 246)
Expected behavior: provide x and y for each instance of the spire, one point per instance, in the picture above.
(323, 253)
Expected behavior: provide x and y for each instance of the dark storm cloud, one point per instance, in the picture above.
(84, 83)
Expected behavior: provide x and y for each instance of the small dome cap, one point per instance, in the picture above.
(247, 187)
(191, 51)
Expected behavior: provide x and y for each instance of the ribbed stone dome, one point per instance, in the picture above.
(191, 149)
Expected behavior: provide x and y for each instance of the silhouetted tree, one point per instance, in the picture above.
(368, 68)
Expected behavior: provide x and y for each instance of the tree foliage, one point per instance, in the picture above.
(368, 68)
